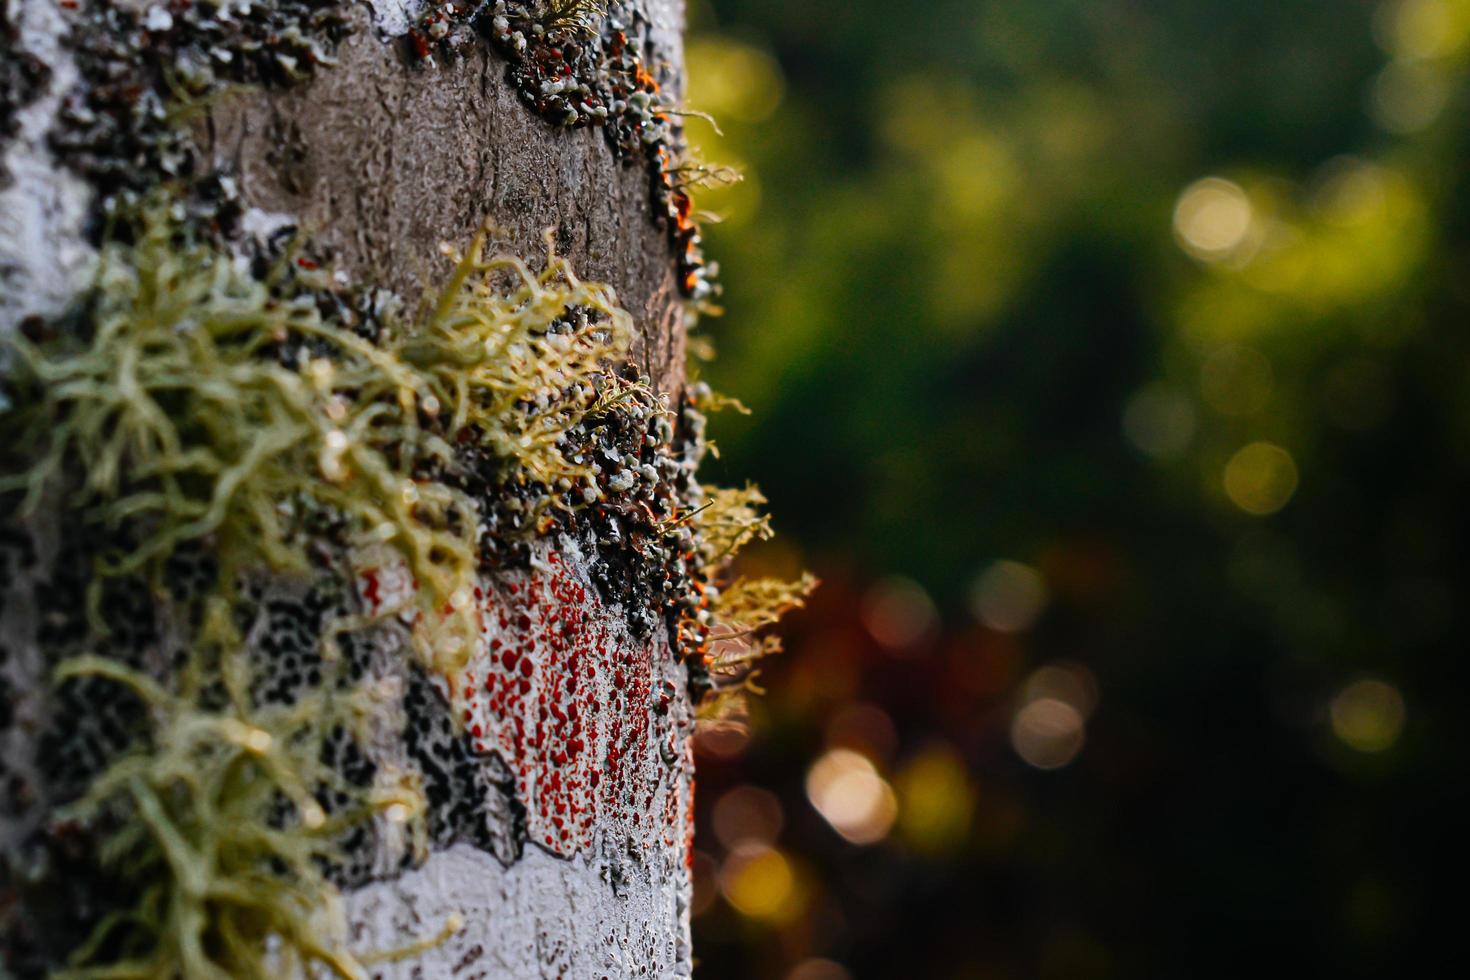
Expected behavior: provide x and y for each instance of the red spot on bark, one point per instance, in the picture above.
(372, 588)
(568, 701)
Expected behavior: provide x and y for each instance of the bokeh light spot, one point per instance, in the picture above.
(705, 879)
(1047, 733)
(899, 613)
(847, 791)
(1406, 97)
(937, 801)
(759, 882)
(1417, 29)
(723, 739)
(1008, 596)
(1212, 219)
(1261, 478)
(1064, 681)
(1351, 192)
(1368, 715)
(817, 968)
(747, 815)
(734, 80)
(1159, 421)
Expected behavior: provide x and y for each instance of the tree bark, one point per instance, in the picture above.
(383, 161)
(555, 762)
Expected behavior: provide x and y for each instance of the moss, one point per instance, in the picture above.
(727, 629)
(729, 520)
(574, 18)
(755, 603)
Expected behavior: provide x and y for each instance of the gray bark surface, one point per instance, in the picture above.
(384, 161)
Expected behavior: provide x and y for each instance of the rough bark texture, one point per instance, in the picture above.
(557, 762)
(383, 161)
(585, 728)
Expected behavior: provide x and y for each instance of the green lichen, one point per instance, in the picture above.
(741, 614)
(732, 622)
(576, 18)
(208, 404)
(213, 816)
(729, 520)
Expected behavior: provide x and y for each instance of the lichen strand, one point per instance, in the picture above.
(144, 66)
(580, 63)
(193, 795)
(214, 819)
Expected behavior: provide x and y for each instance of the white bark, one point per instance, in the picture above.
(44, 260)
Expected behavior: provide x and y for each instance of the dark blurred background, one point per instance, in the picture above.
(1108, 361)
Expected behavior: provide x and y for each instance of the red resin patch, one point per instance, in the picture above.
(586, 717)
(593, 723)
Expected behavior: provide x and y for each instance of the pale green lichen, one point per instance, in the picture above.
(213, 819)
(204, 405)
(729, 520)
(738, 613)
(577, 18)
(755, 603)
(742, 613)
(491, 362)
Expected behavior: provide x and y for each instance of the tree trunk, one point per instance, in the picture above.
(528, 800)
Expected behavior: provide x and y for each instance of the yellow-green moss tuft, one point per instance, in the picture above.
(213, 818)
(737, 614)
(754, 603)
(204, 404)
(578, 18)
(729, 520)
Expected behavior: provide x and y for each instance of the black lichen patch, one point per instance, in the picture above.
(586, 63)
(90, 721)
(124, 707)
(471, 797)
(144, 68)
(286, 640)
(22, 76)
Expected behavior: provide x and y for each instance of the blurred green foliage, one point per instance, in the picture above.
(1166, 304)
